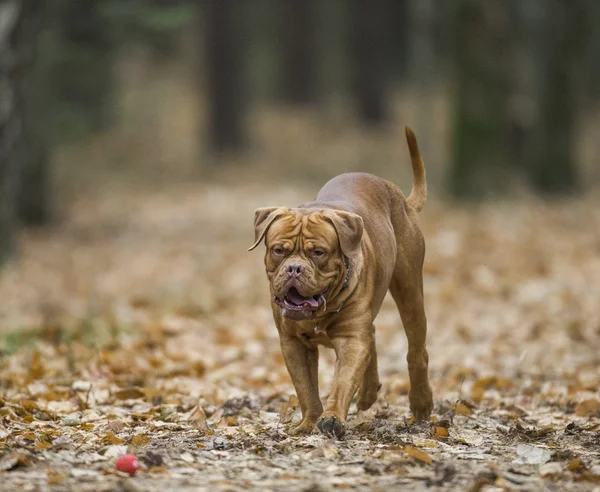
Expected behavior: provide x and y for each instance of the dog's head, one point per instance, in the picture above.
(309, 255)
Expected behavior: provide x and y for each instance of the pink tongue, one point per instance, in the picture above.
(294, 296)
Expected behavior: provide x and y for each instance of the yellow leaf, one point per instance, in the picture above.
(140, 439)
(157, 469)
(40, 446)
(462, 409)
(418, 455)
(439, 432)
(232, 420)
(576, 465)
(110, 438)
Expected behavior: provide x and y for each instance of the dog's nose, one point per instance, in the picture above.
(295, 269)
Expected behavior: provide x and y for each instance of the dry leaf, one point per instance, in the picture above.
(588, 408)
(462, 409)
(130, 393)
(53, 477)
(140, 439)
(110, 438)
(576, 464)
(418, 455)
(439, 432)
(36, 367)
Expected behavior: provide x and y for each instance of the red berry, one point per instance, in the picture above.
(128, 463)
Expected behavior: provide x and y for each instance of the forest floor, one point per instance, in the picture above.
(141, 324)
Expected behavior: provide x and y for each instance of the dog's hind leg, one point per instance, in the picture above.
(407, 290)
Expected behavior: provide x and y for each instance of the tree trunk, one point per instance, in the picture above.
(299, 43)
(84, 52)
(552, 169)
(225, 98)
(480, 127)
(12, 17)
(369, 47)
(34, 201)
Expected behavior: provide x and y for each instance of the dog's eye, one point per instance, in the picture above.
(317, 253)
(279, 251)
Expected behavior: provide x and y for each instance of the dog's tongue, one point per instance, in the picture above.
(294, 296)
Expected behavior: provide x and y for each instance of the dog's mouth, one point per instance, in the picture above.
(296, 306)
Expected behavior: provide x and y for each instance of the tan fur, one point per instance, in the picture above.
(361, 223)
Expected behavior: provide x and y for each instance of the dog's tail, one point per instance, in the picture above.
(418, 194)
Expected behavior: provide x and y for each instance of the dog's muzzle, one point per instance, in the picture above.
(296, 306)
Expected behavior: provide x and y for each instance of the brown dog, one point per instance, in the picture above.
(330, 263)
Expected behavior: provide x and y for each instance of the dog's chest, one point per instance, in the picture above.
(310, 334)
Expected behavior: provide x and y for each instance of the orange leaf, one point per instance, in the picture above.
(462, 409)
(418, 455)
(110, 438)
(439, 432)
(588, 408)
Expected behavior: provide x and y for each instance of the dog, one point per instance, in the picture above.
(330, 263)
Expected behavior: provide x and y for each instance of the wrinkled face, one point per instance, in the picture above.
(306, 255)
(304, 263)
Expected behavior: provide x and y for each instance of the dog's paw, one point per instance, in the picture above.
(421, 404)
(303, 428)
(331, 426)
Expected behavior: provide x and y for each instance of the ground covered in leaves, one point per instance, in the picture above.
(140, 324)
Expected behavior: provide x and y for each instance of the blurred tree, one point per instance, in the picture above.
(368, 45)
(34, 200)
(16, 34)
(78, 44)
(398, 38)
(480, 125)
(299, 51)
(225, 98)
(552, 166)
(590, 68)
(154, 23)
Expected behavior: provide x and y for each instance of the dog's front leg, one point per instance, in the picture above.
(353, 356)
(302, 363)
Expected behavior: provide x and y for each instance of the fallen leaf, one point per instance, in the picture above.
(130, 393)
(439, 432)
(54, 477)
(588, 408)
(576, 464)
(462, 409)
(532, 455)
(140, 439)
(110, 438)
(42, 445)
(418, 455)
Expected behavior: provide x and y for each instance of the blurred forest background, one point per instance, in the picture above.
(500, 94)
(138, 136)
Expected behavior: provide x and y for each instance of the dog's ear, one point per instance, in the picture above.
(263, 218)
(349, 228)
